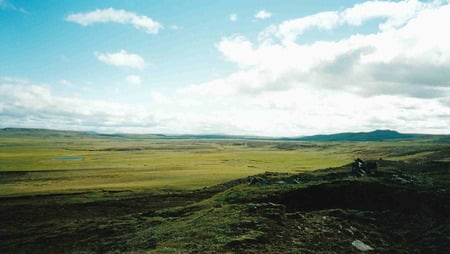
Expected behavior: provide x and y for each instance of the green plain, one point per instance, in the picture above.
(149, 162)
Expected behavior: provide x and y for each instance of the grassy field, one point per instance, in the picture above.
(43, 162)
(74, 192)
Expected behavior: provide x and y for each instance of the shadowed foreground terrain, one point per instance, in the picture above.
(401, 209)
(69, 192)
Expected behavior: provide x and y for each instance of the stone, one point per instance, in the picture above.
(361, 246)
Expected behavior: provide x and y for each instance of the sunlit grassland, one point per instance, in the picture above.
(140, 164)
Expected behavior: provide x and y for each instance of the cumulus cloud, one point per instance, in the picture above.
(122, 59)
(30, 105)
(263, 14)
(290, 29)
(409, 60)
(233, 17)
(237, 49)
(133, 80)
(395, 14)
(394, 77)
(112, 15)
(301, 110)
(392, 15)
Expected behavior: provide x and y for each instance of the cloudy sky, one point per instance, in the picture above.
(254, 67)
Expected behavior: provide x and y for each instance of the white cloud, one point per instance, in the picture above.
(396, 14)
(263, 14)
(133, 80)
(111, 15)
(392, 15)
(233, 17)
(237, 49)
(29, 105)
(290, 29)
(122, 59)
(410, 59)
(393, 78)
(300, 110)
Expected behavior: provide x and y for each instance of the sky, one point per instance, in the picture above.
(255, 67)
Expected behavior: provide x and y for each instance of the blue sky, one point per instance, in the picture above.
(276, 68)
(48, 48)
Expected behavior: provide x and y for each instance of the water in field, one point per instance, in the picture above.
(68, 159)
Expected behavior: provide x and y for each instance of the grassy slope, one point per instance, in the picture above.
(146, 162)
(137, 194)
(401, 209)
(378, 135)
(122, 163)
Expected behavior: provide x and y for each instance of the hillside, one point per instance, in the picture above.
(402, 208)
(84, 192)
(376, 135)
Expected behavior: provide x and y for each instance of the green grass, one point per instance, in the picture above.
(144, 194)
(140, 163)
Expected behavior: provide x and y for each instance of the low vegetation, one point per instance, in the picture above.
(155, 194)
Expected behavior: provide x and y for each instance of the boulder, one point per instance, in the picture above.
(361, 246)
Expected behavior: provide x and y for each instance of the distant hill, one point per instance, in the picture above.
(377, 135)
(24, 132)
(49, 133)
(14, 132)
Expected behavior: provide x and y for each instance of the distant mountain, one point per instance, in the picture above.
(49, 133)
(357, 136)
(13, 132)
(377, 135)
